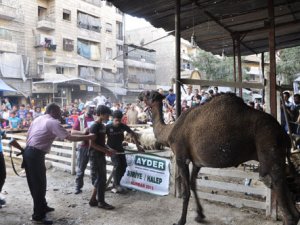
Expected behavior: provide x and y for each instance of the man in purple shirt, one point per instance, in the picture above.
(40, 137)
(83, 123)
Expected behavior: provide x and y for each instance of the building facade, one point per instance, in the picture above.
(140, 70)
(14, 62)
(164, 46)
(72, 47)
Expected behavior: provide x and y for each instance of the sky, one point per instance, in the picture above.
(132, 23)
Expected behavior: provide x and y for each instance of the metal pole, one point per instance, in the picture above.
(263, 75)
(178, 182)
(234, 62)
(239, 66)
(273, 103)
(177, 52)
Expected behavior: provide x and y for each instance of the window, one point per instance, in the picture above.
(68, 45)
(67, 15)
(119, 31)
(119, 49)
(42, 13)
(88, 22)
(108, 28)
(60, 70)
(108, 53)
(88, 49)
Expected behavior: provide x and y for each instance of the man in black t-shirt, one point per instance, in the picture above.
(97, 159)
(115, 138)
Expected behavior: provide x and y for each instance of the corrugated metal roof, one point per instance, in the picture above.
(247, 17)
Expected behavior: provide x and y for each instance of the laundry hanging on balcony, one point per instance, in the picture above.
(12, 66)
(89, 51)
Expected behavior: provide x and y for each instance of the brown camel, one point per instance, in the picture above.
(225, 132)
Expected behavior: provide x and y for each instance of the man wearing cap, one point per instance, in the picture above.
(81, 126)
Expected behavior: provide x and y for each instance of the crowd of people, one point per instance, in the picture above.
(99, 126)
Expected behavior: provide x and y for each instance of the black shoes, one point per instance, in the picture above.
(42, 221)
(93, 203)
(104, 205)
(2, 203)
(49, 209)
(77, 191)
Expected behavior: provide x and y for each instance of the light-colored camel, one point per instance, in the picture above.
(225, 132)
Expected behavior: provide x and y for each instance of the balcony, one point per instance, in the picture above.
(140, 64)
(46, 24)
(8, 46)
(7, 12)
(46, 54)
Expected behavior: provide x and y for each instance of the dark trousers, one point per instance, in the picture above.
(120, 164)
(2, 171)
(82, 161)
(34, 162)
(98, 173)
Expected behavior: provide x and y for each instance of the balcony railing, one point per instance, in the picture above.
(7, 12)
(46, 23)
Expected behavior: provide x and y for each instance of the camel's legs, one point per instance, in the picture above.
(200, 215)
(275, 172)
(183, 169)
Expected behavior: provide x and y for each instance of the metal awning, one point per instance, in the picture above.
(214, 22)
(74, 81)
(5, 87)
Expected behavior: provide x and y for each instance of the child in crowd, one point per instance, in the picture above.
(14, 122)
(115, 138)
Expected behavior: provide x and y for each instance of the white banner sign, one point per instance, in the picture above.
(147, 173)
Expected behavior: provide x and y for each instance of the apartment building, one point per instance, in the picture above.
(72, 46)
(140, 70)
(164, 46)
(14, 62)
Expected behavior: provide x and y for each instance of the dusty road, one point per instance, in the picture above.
(134, 208)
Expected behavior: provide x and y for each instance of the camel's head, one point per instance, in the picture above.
(150, 97)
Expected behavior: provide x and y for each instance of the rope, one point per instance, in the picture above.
(13, 165)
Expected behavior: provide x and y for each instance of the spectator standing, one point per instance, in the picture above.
(37, 112)
(28, 120)
(196, 99)
(14, 121)
(132, 115)
(7, 103)
(188, 96)
(22, 112)
(80, 105)
(81, 126)
(171, 98)
(100, 99)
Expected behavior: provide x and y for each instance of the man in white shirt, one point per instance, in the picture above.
(100, 99)
(188, 96)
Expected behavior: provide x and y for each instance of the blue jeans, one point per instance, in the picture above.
(82, 161)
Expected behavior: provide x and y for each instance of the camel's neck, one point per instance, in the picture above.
(161, 130)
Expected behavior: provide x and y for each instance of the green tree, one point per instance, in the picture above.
(215, 67)
(288, 64)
